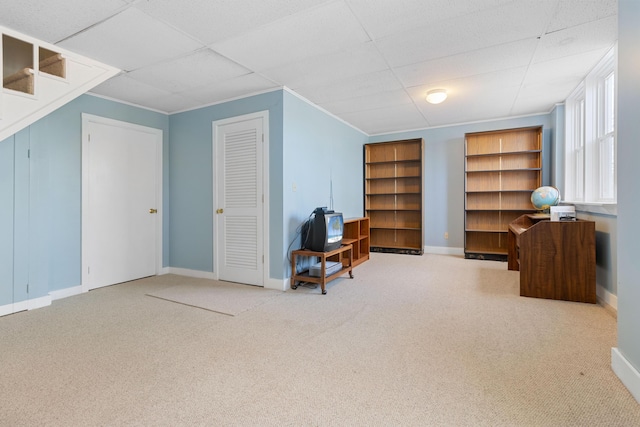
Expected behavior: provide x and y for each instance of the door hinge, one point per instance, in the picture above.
(263, 137)
(89, 138)
(263, 259)
(28, 153)
(27, 288)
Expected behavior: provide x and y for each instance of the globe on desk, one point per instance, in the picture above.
(543, 198)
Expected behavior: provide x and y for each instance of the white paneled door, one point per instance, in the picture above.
(238, 199)
(121, 200)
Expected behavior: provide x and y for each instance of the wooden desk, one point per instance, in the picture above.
(343, 254)
(556, 259)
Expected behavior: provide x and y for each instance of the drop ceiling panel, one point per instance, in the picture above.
(598, 35)
(575, 12)
(472, 98)
(212, 21)
(387, 119)
(195, 69)
(382, 18)
(481, 61)
(321, 70)
(131, 40)
(53, 20)
(319, 31)
(126, 89)
(233, 88)
(369, 102)
(366, 84)
(515, 21)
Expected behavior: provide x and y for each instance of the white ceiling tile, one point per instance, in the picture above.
(481, 61)
(228, 89)
(131, 40)
(215, 20)
(597, 35)
(365, 84)
(126, 89)
(369, 102)
(472, 98)
(387, 119)
(323, 69)
(173, 103)
(576, 12)
(383, 17)
(573, 68)
(53, 20)
(193, 70)
(512, 22)
(318, 31)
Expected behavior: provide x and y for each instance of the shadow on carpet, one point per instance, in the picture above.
(226, 298)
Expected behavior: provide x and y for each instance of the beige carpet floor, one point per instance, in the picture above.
(410, 341)
(221, 297)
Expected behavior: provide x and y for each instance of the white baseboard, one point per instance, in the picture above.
(277, 284)
(443, 250)
(6, 309)
(629, 375)
(607, 297)
(191, 273)
(65, 293)
(30, 304)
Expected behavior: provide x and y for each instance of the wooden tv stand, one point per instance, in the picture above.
(556, 259)
(343, 254)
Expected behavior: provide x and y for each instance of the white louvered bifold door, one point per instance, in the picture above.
(239, 201)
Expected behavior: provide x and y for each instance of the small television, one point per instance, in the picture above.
(323, 232)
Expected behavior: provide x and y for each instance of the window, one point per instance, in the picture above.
(590, 140)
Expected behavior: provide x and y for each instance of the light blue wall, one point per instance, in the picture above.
(307, 147)
(51, 237)
(6, 220)
(628, 134)
(444, 173)
(322, 156)
(191, 186)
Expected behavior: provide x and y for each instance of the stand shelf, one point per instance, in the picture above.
(343, 254)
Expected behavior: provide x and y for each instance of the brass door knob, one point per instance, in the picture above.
(152, 211)
(219, 211)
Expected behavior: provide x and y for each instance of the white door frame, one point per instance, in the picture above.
(86, 119)
(264, 115)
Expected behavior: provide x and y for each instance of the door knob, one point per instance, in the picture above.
(152, 211)
(219, 211)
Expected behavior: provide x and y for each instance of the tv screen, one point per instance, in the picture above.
(324, 231)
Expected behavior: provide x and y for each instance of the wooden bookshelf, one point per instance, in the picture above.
(502, 168)
(393, 195)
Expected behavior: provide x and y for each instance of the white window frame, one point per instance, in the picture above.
(590, 138)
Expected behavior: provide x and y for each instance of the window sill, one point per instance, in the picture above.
(596, 208)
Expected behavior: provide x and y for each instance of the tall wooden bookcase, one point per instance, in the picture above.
(502, 168)
(393, 195)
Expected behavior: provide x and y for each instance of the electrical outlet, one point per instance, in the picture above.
(446, 234)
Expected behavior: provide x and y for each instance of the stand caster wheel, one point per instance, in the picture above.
(294, 287)
(324, 292)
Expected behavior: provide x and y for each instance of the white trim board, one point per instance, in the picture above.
(629, 375)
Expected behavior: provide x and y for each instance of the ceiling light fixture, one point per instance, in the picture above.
(436, 96)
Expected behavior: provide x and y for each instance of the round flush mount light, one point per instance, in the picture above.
(436, 96)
